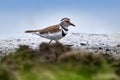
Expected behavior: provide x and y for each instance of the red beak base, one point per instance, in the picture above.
(70, 23)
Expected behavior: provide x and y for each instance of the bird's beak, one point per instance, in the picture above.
(71, 23)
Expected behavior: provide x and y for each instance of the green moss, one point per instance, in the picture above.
(29, 64)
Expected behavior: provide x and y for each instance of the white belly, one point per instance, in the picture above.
(52, 36)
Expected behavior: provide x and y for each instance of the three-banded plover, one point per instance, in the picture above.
(54, 32)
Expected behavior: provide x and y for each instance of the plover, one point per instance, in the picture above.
(54, 32)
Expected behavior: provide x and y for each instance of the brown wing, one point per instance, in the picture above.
(31, 31)
(50, 29)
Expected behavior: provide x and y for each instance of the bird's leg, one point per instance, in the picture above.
(50, 41)
(57, 41)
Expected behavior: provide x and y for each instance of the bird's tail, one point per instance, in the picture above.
(31, 31)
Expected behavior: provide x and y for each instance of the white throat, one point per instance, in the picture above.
(65, 31)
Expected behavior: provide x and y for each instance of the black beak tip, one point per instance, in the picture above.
(72, 24)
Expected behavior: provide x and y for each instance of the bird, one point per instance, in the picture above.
(54, 32)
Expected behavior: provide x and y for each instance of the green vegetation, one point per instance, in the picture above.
(58, 62)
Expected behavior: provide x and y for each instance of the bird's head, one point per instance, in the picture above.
(66, 22)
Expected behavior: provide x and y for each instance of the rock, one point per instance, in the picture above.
(118, 45)
(18, 40)
(100, 48)
(83, 44)
(107, 49)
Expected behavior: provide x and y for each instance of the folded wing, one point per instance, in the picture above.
(50, 29)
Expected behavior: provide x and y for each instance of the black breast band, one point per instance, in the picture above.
(63, 34)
